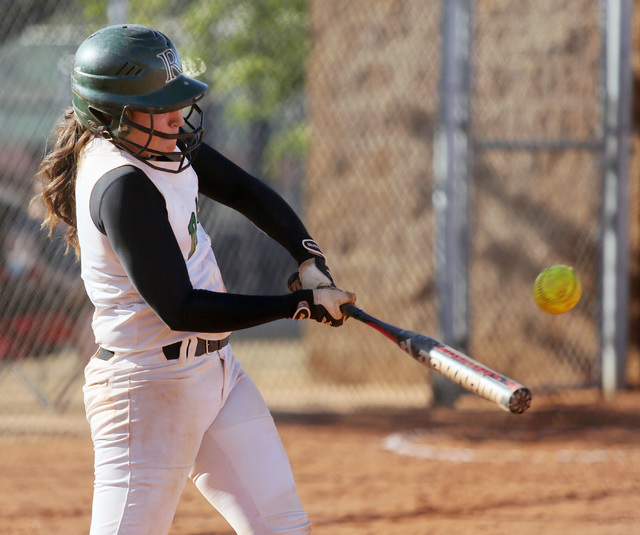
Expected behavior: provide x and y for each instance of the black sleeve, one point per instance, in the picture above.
(225, 182)
(128, 208)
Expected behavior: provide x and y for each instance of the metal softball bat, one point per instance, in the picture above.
(454, 365)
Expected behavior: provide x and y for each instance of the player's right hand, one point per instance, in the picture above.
(325, 305)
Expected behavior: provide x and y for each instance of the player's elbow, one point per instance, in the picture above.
(174, 319)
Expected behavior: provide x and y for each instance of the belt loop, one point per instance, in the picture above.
(190, 348)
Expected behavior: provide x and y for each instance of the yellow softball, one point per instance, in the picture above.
(557, 289)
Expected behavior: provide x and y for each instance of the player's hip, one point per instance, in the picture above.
(188, 387)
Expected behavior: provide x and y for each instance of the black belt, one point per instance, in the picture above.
(172, 351)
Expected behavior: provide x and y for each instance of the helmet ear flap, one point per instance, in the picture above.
(104, 122)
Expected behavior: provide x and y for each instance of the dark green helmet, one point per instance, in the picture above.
(132, 67)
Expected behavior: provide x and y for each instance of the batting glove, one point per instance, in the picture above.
(325, 307)
(314, 273)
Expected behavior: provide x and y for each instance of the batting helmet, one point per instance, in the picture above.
(134, 68)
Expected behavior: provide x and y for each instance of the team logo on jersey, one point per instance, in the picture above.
(193, 229)
(171, 63)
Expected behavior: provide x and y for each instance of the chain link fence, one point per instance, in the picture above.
(537, 131)
(337, 105)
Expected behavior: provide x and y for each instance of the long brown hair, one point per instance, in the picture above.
(57, 173)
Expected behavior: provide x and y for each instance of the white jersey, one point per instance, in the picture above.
(122, 320)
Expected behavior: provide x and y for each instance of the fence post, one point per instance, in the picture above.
(451, 175)
(614, 251)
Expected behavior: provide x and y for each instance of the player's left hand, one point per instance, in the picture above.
(324, 307)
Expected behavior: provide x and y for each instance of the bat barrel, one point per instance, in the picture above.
(452, 364)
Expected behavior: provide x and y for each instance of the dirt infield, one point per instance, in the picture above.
(557, 470)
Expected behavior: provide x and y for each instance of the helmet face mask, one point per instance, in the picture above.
(188, 138)
(128, 68)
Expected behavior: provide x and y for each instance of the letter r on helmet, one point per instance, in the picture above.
(171, 63)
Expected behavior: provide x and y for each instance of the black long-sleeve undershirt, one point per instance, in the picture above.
(128, 208)
(225, 182)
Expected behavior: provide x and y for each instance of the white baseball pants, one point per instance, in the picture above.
(156, 423)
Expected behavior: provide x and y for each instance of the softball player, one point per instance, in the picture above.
(164, 395)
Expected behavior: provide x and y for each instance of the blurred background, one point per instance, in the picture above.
(442, 154)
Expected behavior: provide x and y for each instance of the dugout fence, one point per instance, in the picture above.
(442, 154)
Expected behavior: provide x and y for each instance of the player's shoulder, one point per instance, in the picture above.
(99, 158)
(127, 178)
(124, 188)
